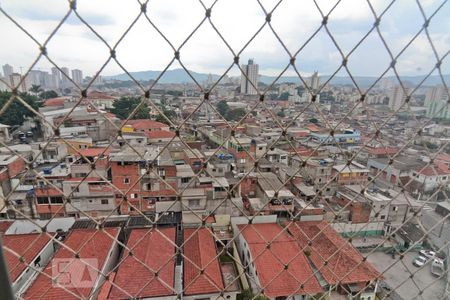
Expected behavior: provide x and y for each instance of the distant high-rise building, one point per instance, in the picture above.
(77, 76)
(436, 102)
(315, 81)
(14, 80)
(56, 78)
(397, 97)
(314, 85)
(65, 82)
(249, 78)
(7, 70)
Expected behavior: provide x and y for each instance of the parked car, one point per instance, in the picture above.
(427, 253)
(420, 261)
(29, 134)
(437, 267)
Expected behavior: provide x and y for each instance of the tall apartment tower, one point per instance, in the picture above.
(315, 81)
(77, 76)
(65, 82)
(56, 78)
(436, 102)
(7, 70)
(249, 76)
(397, 97)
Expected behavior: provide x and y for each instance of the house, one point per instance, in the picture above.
(81, 162)
(202, 274)
(353, 173)
(92, 195)
(77, 277)
(266, 267)
(159, 136)
(345, 269)
(153, 251)
(144, 125)
(35, 249)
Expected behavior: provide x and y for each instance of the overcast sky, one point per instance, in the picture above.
(75, 46)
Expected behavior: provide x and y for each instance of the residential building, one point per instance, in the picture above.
(267, 267)
(249, 78)
(342, 267)
(77, 76)
(97, 252)
(153, 250)
(397, 96)
(35, 249)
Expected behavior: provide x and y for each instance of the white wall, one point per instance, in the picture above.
(28, 275)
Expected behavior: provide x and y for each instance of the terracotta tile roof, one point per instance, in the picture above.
(270, 263)
(92, 152)
(432, 171)
(54, 102)
(345, 265)
(382, 150)
(27, 246)
(144, 124)
(4, 225)
(160, 134)
(155, 248)
(90, 244)
(200, 252)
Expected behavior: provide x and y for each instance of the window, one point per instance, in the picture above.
(394, 208)
(383, 217)
(185, 179)
(133, 196)
(126, 180)
(242, 161)
(162, 172)
(105, 201)
(148, 186)
(194, 203)
(42, 200)
(56, 200)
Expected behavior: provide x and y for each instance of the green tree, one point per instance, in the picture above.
(284, 96)
(170, 114)
(313, 120)
(47, 95)
(223, 108)
(235, 114)
(16, 112)
(124, 106)
(35, 89)
(281, 113)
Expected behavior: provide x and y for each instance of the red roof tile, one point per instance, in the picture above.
(144, 124)
(4, 225)
(382, 150)
(345, 263)
(54, 102)
(27, 246)
(90, 244)
(270, 263)
(432, 171)
(200, 252)
(155, 248)
(93, 152)
(160, 134)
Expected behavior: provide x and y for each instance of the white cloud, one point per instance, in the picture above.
(143, 48)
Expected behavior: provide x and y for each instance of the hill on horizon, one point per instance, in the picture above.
(179, 76)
